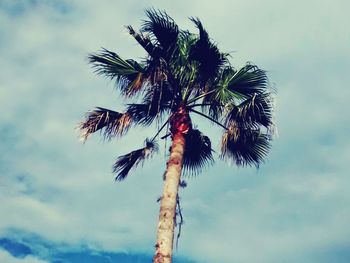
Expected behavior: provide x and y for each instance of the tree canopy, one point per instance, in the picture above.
(184, 70)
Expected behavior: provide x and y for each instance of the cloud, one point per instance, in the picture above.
(8, 258)
(293, 208)
(24, 247)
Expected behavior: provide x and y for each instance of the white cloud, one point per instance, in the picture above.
(53, 186)
(8, 258)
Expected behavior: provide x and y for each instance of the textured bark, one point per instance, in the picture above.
(165, 233)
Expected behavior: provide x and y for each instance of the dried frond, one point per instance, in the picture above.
(113, 123)
(125, 162)
(136, 84)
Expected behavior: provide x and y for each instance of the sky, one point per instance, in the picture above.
(59, 201)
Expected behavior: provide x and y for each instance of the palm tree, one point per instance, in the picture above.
(183, 74)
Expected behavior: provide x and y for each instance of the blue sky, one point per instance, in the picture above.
(59, 202)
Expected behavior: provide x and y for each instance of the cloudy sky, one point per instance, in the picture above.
(59, 201)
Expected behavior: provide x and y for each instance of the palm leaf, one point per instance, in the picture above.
(129, 74)
(113, 123)
(246, 147)
(163, 28)
(156, 71)
(198, 151)
(248, 81)
(255, 110)
(181, 68)
(156, 102)
(144, 41)
(206, 54)
(214, 109)
(125, 162)
(216, 101)
(145, 114)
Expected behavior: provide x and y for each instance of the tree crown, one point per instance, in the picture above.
(182, 74)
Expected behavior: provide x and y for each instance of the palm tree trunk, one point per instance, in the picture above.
(167, 213)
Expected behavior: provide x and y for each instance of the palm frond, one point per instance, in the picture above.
(248, 81)
(111, 122)
(221, 92)
(145, 114)
(206, 54)
(213, 120)
(162, 27)
(185, 41)
(128, 161)
(156, 71)
(246, 147)
(198, 152)
(216, 101)
(144, 41)
(257, 109)
(215, 109)
(156, 102)
(181, 68)
(129, 74)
